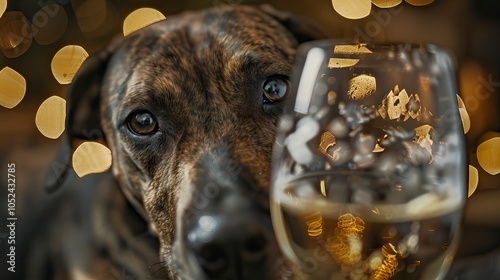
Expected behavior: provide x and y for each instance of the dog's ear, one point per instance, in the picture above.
(83, 116)
(302, 28)
(83, 99)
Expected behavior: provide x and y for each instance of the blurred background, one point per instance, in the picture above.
(469, 29)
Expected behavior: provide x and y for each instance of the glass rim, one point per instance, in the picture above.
(404, 45)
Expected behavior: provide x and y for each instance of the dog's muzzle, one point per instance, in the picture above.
(228, 230)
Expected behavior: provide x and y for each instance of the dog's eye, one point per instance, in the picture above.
(142, 123)
(276, 89)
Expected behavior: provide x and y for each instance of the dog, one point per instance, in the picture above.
(188, 107)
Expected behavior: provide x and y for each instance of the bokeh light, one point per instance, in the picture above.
(91, 158)
(15, 34)
(141, 18)
(352, 9)
(51, 22)
(51, 116)
(12, 88)
(419, 2)
(66, 63)
(90, 14)
(473, 180)
(386, 3)
(488, 154)
(3, 7)
(464, 115)
(357, 9)
(478, 98)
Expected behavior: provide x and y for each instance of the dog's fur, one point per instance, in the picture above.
(201, 75)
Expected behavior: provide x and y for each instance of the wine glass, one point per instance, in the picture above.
(369, 166)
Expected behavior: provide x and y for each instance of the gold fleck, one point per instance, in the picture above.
(345, 244)
(327, 141)
(322, 187)
(473, 179)
(361, 87)
(388, 250)
(404, 99)
(396, 89)
(423, 130)
(464, 115)
(331, 97)
(51, 116)
(396, 103)
(12, 88)
(346, 220)
(386, 270)
(414, 108)
(352, 9)
(351, 49)
(342, 62)
(419, 2)
(488, 155)
(15, 34)
(389, 102)
(90, 158)
(399, 105)
(66, 63)
(51, 22)
(3, 7)
(386, 3)
(314, 224)
(382, 110)
(141, 18)
(423, 137)
(378, 148)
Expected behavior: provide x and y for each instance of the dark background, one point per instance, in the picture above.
(470, 29)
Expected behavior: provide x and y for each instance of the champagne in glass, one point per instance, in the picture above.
(369, 168)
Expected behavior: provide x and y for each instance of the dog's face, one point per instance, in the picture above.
(189, 107)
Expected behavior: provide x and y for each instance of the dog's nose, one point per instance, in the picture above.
(228, 229)
(228, 243)
(231, 236)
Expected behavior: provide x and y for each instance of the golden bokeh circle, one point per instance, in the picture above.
(90, 14)
(12, 88)
(16, 35)
(51, 116)
(473, 180)
(66, 63)
(352, 9)
(386, 3)
(141, 18)
(3, 7)
(464, 115)
(488, 155)
(91, 158)
(51, 22)
(419, 2)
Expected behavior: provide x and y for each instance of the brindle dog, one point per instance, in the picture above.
(188, 107)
